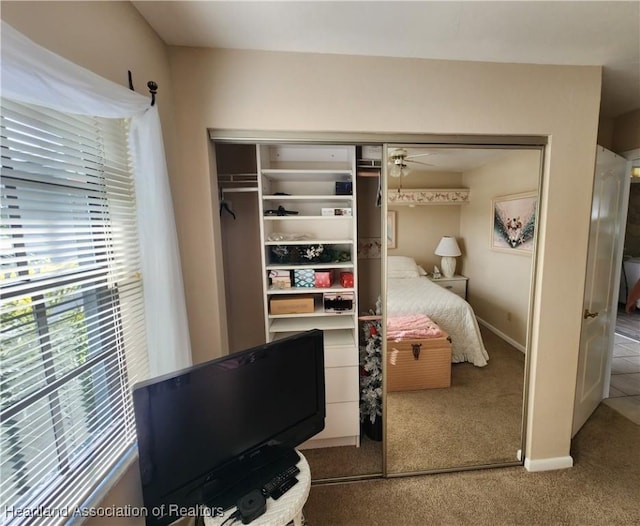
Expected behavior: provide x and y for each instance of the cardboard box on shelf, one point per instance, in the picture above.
(301, 304)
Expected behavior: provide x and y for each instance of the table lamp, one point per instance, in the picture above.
(449, 250)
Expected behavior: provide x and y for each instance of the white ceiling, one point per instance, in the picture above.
(433, 159)
(559, 32)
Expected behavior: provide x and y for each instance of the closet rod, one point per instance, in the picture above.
(238, 190)
(233, 176)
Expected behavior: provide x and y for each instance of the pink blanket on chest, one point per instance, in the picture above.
(412, 327)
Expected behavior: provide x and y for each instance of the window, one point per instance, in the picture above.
(72, 316)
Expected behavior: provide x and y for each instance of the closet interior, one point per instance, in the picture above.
(301, 240)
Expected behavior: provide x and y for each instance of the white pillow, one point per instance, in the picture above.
(401, 263)
(422, 271)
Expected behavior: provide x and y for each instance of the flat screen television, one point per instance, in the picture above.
(207, 433)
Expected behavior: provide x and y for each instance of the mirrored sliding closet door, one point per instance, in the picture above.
(460, 228)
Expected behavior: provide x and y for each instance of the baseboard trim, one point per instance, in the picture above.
(548, 464)
(502, 335)
(330, 442)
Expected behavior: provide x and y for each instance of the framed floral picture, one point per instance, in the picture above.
(391, 229)
(514, 223)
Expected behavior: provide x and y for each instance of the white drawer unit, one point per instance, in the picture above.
(340, 349)
(341, 384)
(456, 284)
(342, 427)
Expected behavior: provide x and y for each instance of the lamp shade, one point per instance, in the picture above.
(448, 246)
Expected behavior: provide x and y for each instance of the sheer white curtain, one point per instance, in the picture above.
(35, 75)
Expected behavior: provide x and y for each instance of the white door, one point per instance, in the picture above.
(606, 237)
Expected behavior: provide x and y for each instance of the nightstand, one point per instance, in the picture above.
(456, 284)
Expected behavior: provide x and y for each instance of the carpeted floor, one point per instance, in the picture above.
(475, 421)
(335, 462)
(601, 489)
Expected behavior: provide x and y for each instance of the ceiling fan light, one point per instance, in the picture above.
(395, 170)
(397, 165)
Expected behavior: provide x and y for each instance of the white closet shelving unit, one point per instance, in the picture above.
(302, 179)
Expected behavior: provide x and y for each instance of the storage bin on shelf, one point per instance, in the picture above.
(304, 277)
(280, 279)
(300, 304)
(346, 279)
(338, 302)
(323, 278)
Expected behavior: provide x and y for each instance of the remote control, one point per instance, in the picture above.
(279, 479)
(283, 488)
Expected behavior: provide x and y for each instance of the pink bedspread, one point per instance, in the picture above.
(412, 327)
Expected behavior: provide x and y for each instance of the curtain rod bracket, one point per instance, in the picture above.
(153, 89)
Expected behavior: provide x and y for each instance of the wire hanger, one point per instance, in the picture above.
(224, 206)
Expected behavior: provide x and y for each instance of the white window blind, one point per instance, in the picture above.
(73, 331)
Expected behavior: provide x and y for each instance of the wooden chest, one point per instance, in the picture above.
(419, 364)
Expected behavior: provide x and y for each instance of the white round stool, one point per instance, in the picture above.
(279, 512)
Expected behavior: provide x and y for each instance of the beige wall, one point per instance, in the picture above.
(241, 249)
(369, 227)
(420, 228)
(108, 38)
(605, 133)
(626, 132)
(289, 91)
(499, 283)
(620, 134)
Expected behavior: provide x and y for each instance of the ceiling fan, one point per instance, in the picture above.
(398, 160)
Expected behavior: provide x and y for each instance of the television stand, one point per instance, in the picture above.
(282, 511)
